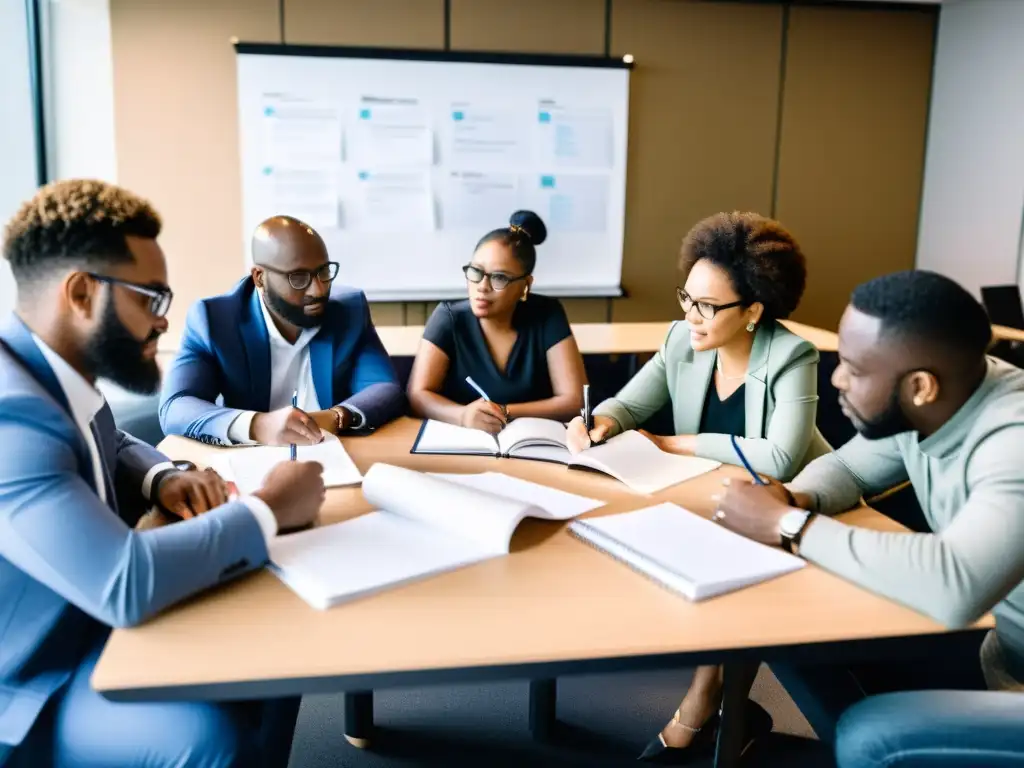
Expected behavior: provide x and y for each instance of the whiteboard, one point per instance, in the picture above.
(403, 160)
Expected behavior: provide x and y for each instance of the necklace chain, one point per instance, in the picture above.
(718, 366)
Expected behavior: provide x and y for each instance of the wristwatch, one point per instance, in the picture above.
(792, 527)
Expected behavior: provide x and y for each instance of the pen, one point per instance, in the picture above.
(295, 404)
(587, 420)
(474, 385)
(750, 469)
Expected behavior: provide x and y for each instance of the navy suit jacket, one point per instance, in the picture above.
(225, 356)
(71, 565)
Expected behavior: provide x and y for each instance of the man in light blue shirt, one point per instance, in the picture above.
(92, 301)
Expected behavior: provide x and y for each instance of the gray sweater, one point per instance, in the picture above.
(969, 479)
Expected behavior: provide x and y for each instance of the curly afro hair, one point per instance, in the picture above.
(77, 222)
(761, 257)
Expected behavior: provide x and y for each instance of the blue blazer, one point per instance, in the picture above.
(70, 565)
(225, 355)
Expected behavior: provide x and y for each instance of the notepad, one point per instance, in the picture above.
(684, 551)
(424, 525)
(629, 457)
(249, 467)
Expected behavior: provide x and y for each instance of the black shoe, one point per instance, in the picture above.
(757, 724)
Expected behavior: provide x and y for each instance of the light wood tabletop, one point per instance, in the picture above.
(600, 338)
(553, 606)
(1005, 333)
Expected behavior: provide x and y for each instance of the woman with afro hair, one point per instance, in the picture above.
(728, 369)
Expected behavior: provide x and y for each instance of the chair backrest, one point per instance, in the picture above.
(1003, 304)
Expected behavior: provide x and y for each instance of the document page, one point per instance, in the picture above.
(455, 509)
(441, 437)
(711, 558)
(531, 431)
(328, 565)
(248, 467)
(556, 504)
(634, 460)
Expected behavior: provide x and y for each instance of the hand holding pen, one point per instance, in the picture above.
(483, 414)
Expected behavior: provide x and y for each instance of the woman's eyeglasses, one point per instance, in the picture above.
(705, 309)
(299, 279)
(499, 280)
(159, 298)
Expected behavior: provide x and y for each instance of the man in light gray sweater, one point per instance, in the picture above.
(930, 407)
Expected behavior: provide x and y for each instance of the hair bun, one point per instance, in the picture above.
(531, 224)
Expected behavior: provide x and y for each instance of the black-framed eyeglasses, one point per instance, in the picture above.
(499, 280)
(704, 308)
(299, 279)
(159, 298)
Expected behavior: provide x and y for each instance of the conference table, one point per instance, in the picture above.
(553, 607)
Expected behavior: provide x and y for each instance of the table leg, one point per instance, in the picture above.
(358, 718)
(543, 697)
(737, 677)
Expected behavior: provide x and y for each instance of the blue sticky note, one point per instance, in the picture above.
(364, 175)
(545, 117)
(547, 182)
(364, 114)
(268, 111)
(458, 116)
(267, 171)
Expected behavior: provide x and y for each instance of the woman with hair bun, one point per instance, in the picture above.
(515, 344)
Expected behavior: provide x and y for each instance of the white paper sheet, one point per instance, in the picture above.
(391, 201)
(557, 504)
(300, 133)
(389, 135)
(248, 467)
(478, 200)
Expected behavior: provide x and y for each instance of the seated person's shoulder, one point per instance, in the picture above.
(789, 345)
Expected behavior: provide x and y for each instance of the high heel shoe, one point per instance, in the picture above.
(757, 723)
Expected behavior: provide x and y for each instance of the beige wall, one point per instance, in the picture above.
(733, 106)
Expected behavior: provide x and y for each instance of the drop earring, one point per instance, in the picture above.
(526, 293)
(751, 327)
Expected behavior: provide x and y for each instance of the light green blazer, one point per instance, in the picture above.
(780, 399)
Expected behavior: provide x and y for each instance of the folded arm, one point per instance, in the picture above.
(425, 381)
(376, 395)
(192, 385)
(955, 575)
(140, 469)
(119, 576)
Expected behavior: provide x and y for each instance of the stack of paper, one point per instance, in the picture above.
(248, 467)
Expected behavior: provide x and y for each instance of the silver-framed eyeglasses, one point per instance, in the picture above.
(159, 298)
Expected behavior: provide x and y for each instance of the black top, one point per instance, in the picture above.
(724, 417)
(540, 322)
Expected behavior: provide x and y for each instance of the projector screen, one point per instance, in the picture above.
(403, 160)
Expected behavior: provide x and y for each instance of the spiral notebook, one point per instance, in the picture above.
(684, 551)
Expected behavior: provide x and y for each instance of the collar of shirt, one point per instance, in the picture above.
(83, 398)
(305, 336)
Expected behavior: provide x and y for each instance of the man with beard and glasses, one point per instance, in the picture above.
(283, 329)
(92, 300)
(930, 407)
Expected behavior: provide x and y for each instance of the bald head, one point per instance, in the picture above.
(285, 243)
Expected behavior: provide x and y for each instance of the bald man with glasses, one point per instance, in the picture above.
(286, 333)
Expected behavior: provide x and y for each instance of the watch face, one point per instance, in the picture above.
(792, 522)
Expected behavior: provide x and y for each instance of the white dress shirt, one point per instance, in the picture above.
(86, 401)
(290, 370)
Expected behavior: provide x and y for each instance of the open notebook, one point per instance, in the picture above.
(683, 551)
(247, 467)
(426, 525)
(629, 457)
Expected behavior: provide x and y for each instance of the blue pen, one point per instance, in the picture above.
(478, 388)
(295, 404)
(750, 469)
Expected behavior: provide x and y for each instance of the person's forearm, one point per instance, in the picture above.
(430, 405)
(559, 407)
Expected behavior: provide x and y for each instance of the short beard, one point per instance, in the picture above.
(114, 354)
(290, 313)
(890, 422)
